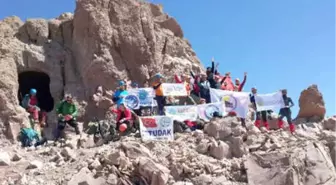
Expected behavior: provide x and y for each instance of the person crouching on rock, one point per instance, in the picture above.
(124, 118)
(286, 112)
(67, 113)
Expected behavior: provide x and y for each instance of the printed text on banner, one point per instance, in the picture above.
(172, 89)
(182, 113)
(234, 101)
(272, 101)
(157, 128)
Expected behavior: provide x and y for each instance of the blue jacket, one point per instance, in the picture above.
(119, 96)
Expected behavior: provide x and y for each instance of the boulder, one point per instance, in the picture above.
(4, 159)
(35, 165)
(238, 147)
(116, 157)
(304, 163)
(329, 123)
(134, 149)
(85, 177)
(311, 103)
(16, 157)
(220, 150)
(154, 172)
(68, 153)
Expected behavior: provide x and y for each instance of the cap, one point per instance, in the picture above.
(158, 75)
(121, 83)
(33, 91)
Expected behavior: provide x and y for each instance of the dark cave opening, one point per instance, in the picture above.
(39, 81)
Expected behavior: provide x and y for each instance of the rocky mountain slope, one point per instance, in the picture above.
(104, 41)
(224, 154)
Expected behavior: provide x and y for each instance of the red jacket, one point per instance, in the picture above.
(241, 86)
(127, 114)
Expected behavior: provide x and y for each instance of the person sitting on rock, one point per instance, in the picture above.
(124, 118)
(160, 98)
(239, 86)
(262, 114)
(30, 103)
(121, 93)
(67, 113)
(286, 112)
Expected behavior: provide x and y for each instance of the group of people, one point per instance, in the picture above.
(66, 110)
(198, 92)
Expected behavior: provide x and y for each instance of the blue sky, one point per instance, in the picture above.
(281, 44)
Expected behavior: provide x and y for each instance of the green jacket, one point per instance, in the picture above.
(65, 108)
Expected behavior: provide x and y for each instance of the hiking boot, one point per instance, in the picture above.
(280, 124)
(292, 128)
(257, 123)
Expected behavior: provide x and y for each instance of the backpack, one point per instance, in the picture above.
(25, 101)
(27, 136)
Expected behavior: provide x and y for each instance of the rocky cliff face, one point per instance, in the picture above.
(103, 41)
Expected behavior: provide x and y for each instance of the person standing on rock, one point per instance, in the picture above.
(286, 111)
(262, 114)
(186, 79)
(204, 86)
(210, 72)
(160, 98)
(67, 113)
(239, 86)
(121, 93)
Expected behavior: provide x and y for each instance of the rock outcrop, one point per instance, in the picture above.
(311, 104)
(103, 41)
(307, 165)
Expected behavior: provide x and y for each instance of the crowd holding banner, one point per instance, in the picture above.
(161, 127)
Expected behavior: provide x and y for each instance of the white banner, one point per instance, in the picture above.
(205, 111)
(157, 128)
(140, 97)
(182, 113)
(234, 101)
(272, 101)
(174, 89)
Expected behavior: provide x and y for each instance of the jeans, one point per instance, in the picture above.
(285, 112)
(161, 102)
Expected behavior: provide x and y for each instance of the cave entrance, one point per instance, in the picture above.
(39, 81)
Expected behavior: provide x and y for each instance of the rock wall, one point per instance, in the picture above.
(102, 42)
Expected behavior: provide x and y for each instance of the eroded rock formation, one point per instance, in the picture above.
(311, 104)
(103, 41)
